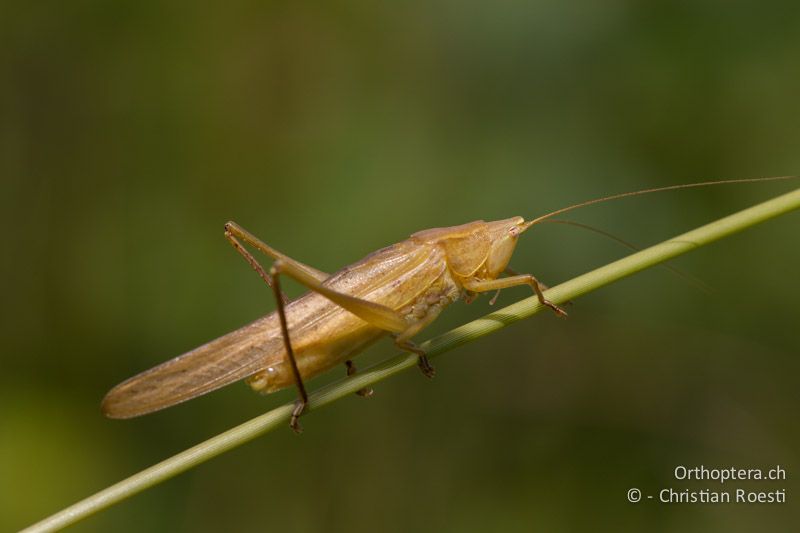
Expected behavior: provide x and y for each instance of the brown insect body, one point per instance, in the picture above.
(398, 290)
(417, 277)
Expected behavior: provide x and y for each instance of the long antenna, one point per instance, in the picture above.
(536, 220)
(698, 283)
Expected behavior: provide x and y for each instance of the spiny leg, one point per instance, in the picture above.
(300, 405)
(365, 392)
(280, 298)
(476, 285)
(251, 261)
(511, 272)
(403, 340)
(539, 289)
(422, 359)
(235, 230)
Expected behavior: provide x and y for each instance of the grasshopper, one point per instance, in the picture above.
(396, 291)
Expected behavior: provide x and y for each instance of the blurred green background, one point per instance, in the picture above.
(131, 131)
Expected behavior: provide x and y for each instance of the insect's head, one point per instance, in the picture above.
(503, 235)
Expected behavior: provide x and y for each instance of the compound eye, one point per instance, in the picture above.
(513, 231)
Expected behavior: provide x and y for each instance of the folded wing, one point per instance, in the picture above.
(230, 358)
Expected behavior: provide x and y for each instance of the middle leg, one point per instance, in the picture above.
(366, 392)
